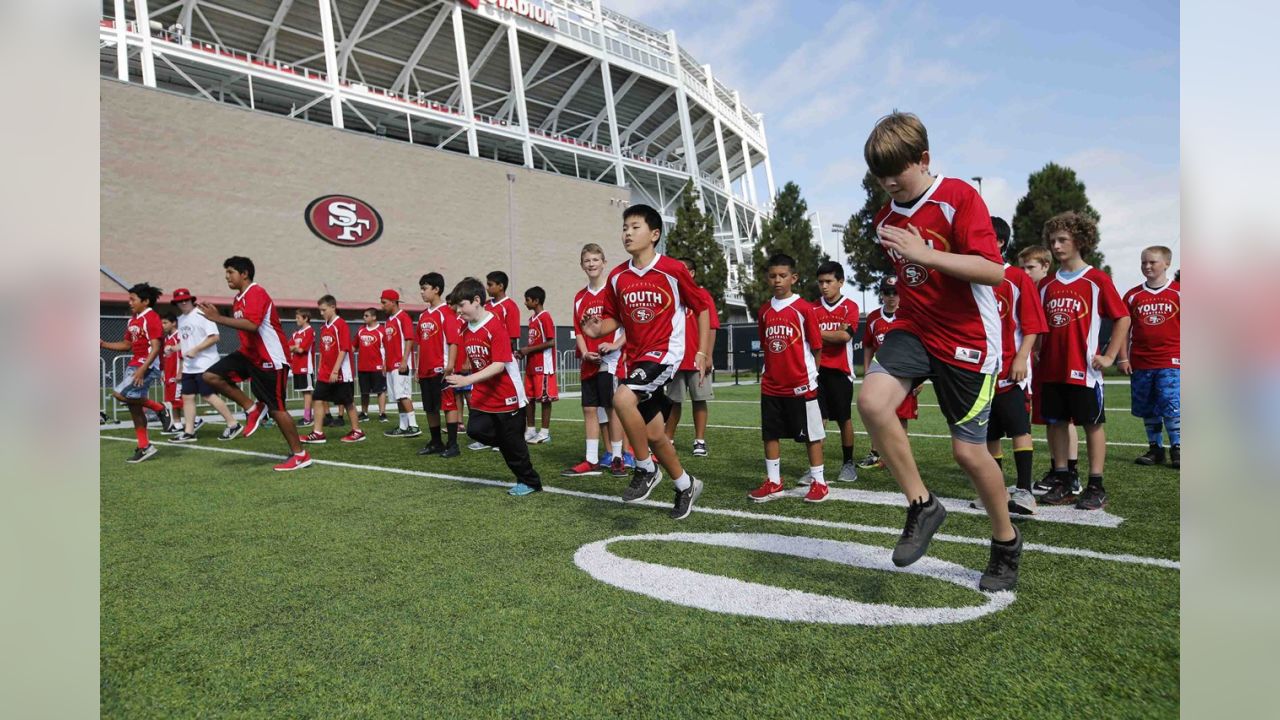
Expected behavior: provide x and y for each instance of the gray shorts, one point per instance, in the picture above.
(126, 387)
(964, 396)
(699, 388)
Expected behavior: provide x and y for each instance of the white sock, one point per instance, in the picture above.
(593, 451)
(645, 464)
(683, 482)
(773, 469)
(815, 473)
(404, 420)
(616, 448)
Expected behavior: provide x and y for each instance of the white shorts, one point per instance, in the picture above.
(399, 387)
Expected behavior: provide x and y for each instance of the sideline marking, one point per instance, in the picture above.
(731, 596)
(724, 512)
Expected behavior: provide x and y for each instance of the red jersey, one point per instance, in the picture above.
(649, 303)
(335, 337)
(1156, 332)
(835, 317)
(788, 335)
(541, 329)
(142, 329)
(1021, 314)
(586, 304)
(1074, 305)
(878, 324)
(264, 347)
(371, 349)
(957, 321)
(169, 361)
(436, 331)
(398, 328)
(691, 328)
(508, 314)
(305, 338)
(488, 343)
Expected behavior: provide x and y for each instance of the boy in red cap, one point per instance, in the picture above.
(199, 351)
(400, 337)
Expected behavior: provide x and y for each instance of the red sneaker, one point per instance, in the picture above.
(817, 493)
(253, 418)
(770, 490)
(295, 462)
(617, 467)
(314, 438)
(353, 436)
(581, 469)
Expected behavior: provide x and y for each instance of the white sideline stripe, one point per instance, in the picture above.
(1047, 513)
(724, 512)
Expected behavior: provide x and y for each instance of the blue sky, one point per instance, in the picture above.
(1004, 87)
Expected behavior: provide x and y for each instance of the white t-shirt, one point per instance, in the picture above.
(194, 328)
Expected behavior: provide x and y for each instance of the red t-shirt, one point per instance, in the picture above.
(1156, 332)
(1074, 305)
(435, 333)
(508, 314)
(371, 349)
(541, 329)
(335, 337)
(586, 304)
(957, 321)
(877, 325)
(691, 328)
(170, 361)
(266, 346)
(1021, 314)
(788, 336)
(835, 317)
(304, 337)
(141, 330)
(649, 303)
(398, 328)
(485, 344)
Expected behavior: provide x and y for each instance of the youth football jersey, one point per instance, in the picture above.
(1021, 314)
(264, 347)
(1074, 305)
(788, 336)
(1156, 333)
(957, 321)
(169, 365)
(304, 337)
(835, 317)
(335, 338)
(541, 329)
(398, 328)
(691, 328)
(371, 350)
(508, 314)
(649, 303)
(435, 332)
(141, 330)
(590, 303)
(878, 324)
(487, 342)
(194, 328)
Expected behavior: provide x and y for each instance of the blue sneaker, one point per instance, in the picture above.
(607, 459)
(520, 490)
(628, 459)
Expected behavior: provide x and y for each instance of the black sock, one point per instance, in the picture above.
(435, 435)
(1022, 461)
(1095, 480)
(999, 460)
(1006, 543)
(1071, 466)
(928, 501)
(453, 434)
(848, 453)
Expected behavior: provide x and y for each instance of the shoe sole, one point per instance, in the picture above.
(1067, 500)
(1020, 509)
(697, 493)
(187, 440)
(815, 502)
(299, 466)
(353, 440)
(144, 458)
(313, 442)
(767, 498)
(580, 474)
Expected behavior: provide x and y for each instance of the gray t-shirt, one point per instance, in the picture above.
(194, 328)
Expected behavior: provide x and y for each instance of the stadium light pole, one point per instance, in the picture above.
(978, 179)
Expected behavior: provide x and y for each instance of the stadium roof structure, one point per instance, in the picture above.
(564, 86)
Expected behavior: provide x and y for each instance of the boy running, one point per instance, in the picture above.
(334, 383)
(688, 378)
(540, 366)
(301, 360)
(436, 335)
(837, 318)
(879, 322)
(1153, 356)
(400, 339)
(199, 346)
(142, 338)
(371, 365)
(169, 371)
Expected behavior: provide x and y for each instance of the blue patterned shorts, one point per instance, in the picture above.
(1156, 393)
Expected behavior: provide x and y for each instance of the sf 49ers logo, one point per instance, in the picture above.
(1059, 319)
(327, 341)
(427, 328)
(777, 345)
(343, 220)
(1154, 319)
(914, 274)
(367, 340)
(642, 314)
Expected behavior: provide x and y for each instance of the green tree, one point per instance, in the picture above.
(1051, 190)
(694, 236)
(786, 231)
(868, 261)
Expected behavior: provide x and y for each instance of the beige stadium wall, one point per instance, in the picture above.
(187, 182)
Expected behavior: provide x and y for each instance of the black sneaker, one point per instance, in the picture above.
(141, 454)
(1175, 457)
(922, 522)
(450, 451)
(685, 499)
(166, 420)
(184, 437)
(395, 432)
(1045, 484)
(432, 449)
(363, 417)
(383, 418)
(1062, 492)
(1153, 456)
(1002, 568)
(231, 433)
(699, 448)
(642, 483)
(1093, 498)
(411, 432)
(1075, 482)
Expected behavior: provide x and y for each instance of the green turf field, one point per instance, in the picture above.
(392, 590)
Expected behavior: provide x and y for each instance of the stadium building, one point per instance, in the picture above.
(546, 118)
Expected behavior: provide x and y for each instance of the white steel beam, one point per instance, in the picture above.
(751, 184)
(658, 102)
(505, 110)
(728, 187)
(330, 62)
(517, 88)
(187, 77)
(610, 109)
(569, 94)
(122, 50)
(267, 47)
(464, 80)
(402, 80)
(594, 123)
(686, 130)
(344, 52)
(402, 18)
(477, 65)
(144, 27)
(184, 15)
(768, 166)
(672, 119)
(694, 129)
(207, 25)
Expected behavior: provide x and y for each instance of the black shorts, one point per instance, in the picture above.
(373, 382)
(1081, 405)
(835, 395)
(963, 395)
(597, 391)
(648, 381)
(194, 384)
(339, 393)
(793, 418)
(268, 385)
(1010, 416)
(302, 382)
(432, 393)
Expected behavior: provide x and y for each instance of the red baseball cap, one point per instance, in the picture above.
(182, 294)
(390, 294)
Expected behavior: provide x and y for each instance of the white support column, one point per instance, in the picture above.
(768, 166)
(517, 85)
(122, 48)
(331, 62)
(464, 80)
(724, 167)
(751, 185)
(144, 26)
(686, 126)
(613, 117)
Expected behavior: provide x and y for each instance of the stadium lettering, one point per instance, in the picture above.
(524, 8)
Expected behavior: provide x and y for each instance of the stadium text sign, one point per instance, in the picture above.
(343, 220)
(739, 597)
(524, 8)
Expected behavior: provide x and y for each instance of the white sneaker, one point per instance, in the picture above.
(805, 479)
(1022, 502)
(477, 445)
(848, 472)
(977, 503)
(530, 434)
(542, 437)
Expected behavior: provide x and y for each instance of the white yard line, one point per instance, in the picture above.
(723, 512)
